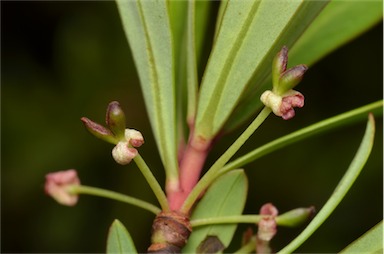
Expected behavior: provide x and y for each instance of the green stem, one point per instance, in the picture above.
(81, 189)
(341, 190)
(281, 220)
(211, 174)
(153, 183)
(227, 220)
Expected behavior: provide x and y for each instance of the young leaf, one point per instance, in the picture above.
(250, 34)
(119, 240)
(342, 188)
(147, 27)
(370, 242)
(336, 25)
(226, 196)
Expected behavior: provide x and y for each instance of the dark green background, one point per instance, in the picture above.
(65, 60)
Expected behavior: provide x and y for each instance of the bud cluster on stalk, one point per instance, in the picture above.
(125, 140)
(282, 99)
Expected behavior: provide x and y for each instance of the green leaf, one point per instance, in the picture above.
(339, 23)
(178, 17)
(370, 242)
(119, 240)
(338, 121)
(147, 27)
(226, 196)
(336, 25)
(250, 34)
(189, 23)
(342, 188)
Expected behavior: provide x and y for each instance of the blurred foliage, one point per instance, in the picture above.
(65, 60)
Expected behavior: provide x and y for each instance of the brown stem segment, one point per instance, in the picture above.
(170, 232)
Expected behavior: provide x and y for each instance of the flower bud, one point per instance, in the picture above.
(267, 228)
(58, 184)
(123, 138)
(122, 153)
(282, 105)
(99, 131)
(295, 217)
(279, 65)
(290, 78)
(134, 137)
(115, 119)
(284, 80)
(267, 225)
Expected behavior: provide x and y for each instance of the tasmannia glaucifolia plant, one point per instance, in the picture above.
(246, 77)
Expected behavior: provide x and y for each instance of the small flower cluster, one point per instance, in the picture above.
(125, 139)
(60, 185)
(124, 152)
(282, 99)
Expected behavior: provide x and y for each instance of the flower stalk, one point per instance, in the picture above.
(153, 183)
(292, 218)
(88, 190)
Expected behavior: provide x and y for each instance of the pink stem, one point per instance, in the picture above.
(191, 164)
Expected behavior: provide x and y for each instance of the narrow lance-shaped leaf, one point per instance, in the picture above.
(189, 23)
(250, 34)
(119, 240)
(339, 23)
(342, 188)
(336, 25)
(192, 81)
(147, 26)
(226, 196)
(370, 242)
(178, 18)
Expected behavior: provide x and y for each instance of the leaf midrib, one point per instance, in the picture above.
(157, 96)
(225, 71)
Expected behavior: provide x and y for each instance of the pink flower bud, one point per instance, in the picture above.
(57, 185)
(134, 137)
(122, 153)
(267, 225)
(267, 228)
(283, 105)
(291, 99)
